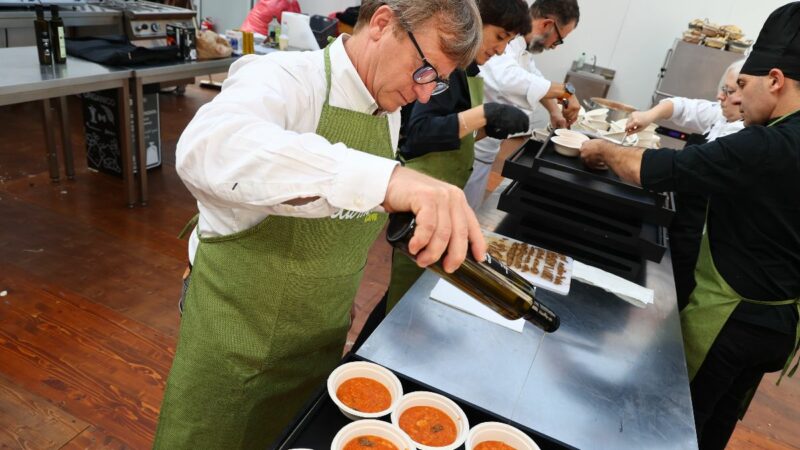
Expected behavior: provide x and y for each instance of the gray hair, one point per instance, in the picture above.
(734, 68)
(458, 23)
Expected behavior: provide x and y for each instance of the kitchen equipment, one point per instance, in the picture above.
(489, 281)
(691, 71)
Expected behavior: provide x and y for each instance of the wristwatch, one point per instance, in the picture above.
(569, 91)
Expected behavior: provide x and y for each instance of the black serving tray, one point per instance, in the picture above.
(316, 426)
(607, 233)
(622, 263)
(538, 164)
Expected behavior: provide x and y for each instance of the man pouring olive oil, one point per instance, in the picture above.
(292, 166)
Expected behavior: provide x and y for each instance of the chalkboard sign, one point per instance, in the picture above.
(101, 128)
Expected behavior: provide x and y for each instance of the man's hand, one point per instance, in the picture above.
(444, 219)
(571, 110)
(593, 154)
(557, 120)
(626, 162)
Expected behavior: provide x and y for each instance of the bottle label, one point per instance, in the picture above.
(62, 46)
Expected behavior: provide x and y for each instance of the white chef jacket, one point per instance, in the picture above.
(702, 116)
(254, 146)
(512, 79)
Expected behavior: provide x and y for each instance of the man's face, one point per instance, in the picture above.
(392, 66)
(544, 34)
(756, 101)
(495, 40)
(730, 98)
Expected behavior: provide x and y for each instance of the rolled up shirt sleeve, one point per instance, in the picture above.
(698, 115)
(239, 151)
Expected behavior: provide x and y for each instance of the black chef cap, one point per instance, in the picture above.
(778, 44)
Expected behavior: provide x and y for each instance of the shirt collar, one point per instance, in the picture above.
(348, 91)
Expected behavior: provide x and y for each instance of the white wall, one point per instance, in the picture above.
(227, 15)
(633, 36)
(325, 7)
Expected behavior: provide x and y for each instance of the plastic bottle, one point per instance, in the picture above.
(283, 39)
(274, 29)
(490, 282)
(581, 61)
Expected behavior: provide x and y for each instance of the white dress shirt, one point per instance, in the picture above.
(512, 79)
(702, 116)
(254, 146)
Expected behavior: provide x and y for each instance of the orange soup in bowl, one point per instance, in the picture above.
(493, 445)
(364, 394)
(428, 426)
(369, 443)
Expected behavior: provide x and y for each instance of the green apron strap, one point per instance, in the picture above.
(327, 73)
(452, 166)
(189, 226)
(786, 368)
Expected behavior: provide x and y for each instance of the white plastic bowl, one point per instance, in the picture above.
(567, 146)
(367, 370)
(570, 134)
(596, 125)
(597, 114)
(496, 431)
(449, 407)
(371, 427)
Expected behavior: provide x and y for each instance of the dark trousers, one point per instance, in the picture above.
(685, 234)
(737, 360)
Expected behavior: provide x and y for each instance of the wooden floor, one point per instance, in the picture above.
(89, 288)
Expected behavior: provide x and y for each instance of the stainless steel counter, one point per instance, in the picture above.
(22, 79)
(612, 377)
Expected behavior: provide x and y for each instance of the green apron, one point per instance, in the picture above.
(267, 313)
(454, 167)
(710, 305)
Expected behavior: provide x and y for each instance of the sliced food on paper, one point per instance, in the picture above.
(542, 268)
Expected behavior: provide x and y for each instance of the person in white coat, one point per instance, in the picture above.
(709, 118)
(709, 121)
(513, 79)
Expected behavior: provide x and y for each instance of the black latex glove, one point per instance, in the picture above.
(502, 120)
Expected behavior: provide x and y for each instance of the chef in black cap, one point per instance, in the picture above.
(742, 318)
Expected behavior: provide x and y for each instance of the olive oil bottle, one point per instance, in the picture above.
(57, 36)
(490, 282)
(44, 43)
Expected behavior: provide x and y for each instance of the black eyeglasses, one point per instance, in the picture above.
(558, 33)
(427, 73)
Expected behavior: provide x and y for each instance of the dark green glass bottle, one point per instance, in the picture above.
(490, 282)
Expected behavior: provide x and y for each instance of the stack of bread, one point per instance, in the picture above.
(723, 37)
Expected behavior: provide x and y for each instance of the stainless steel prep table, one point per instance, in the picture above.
(22, 79)
(162, 73)
(612, 377)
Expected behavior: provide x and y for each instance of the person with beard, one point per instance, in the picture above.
(513, 79)
(742, 317)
